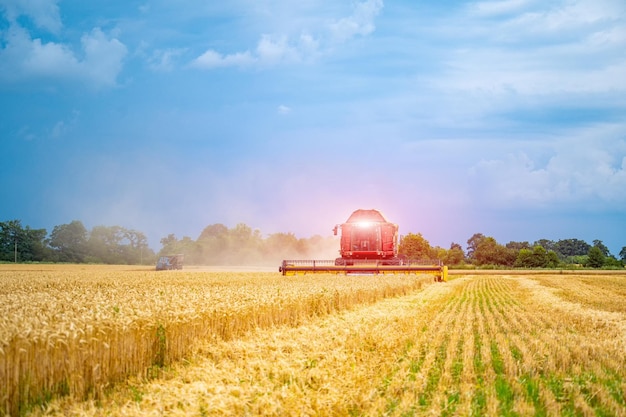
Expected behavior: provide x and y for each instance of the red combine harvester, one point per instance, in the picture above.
(368, 245)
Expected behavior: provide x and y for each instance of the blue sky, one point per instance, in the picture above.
(506, 118)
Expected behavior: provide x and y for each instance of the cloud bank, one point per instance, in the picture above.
(23, 57)
(273, 49)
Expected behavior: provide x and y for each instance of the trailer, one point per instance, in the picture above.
(170, 262)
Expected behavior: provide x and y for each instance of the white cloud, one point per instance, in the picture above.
(62, 127)
(540, 49)
(588, 169)
(532, 73)
(212, 59)
(164, 60)
(103, 58)
(269, 51)
(273, 49)
(144, 8)
(24, 58)
(361, 22)
(25, 133)
(283, 110)
(498, 7)
(44, 13)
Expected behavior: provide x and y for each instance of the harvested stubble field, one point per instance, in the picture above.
(493, 344)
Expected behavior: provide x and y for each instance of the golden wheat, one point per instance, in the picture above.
(478, 345)
(75, 331)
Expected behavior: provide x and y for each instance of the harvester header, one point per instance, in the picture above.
(368, 245)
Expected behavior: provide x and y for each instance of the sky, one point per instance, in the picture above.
(506, 118)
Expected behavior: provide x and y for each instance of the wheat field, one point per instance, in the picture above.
(498, 344)
(76, 330)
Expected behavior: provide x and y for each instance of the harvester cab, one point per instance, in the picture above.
(367, 235)
(368, 245)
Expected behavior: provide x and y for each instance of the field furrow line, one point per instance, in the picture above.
(566, 349)
(502, 364)
(447, 395)
(483, 401)
(468, 377)
(412, 386)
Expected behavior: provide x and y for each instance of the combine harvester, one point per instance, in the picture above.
(368, 245)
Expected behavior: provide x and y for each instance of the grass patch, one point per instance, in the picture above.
(434, 375)
(479, 400)
(457, 364)
(531, 391)
(504, 392)
(448, 408)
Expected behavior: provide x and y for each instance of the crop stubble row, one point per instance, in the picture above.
(522, 357)
(483, 345)
(480, 345)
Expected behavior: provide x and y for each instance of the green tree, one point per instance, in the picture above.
(138, 251)
(472, 244)
(19, 244)
(490, 252)
(169, 245)
(524, 258)
(284, 246)
(219, 245)
(455, 255)
(213, 231)
(548, 245)
(185, 246)
(191, 249)
(415, 247)
(571, 247)
(612, 262)
(518, 245)
(622, 254)
(605, 251)
(538, 257)
(246, 245)
(214, 244)
(117, 245)
(33, 246)
(553, 259)
(455, 245)
(104, 244)
(11, 235)
(69, 241)
(595, 257)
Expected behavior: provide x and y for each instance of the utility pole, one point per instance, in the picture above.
(15, 252)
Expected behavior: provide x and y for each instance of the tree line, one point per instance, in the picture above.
(242, 245)
(73, 243)
(485, 251)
